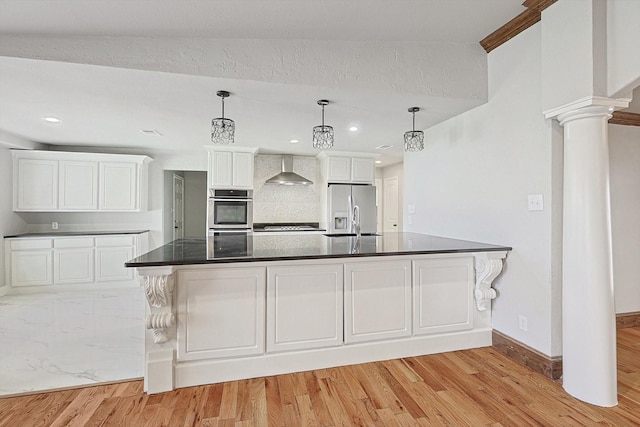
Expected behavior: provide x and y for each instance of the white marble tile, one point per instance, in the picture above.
(61, 339)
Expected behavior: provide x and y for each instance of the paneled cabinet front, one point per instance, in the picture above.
(304, 307)
(221, 312)
(377, 300)
(46, 181)
(230, 169)
(443, 294)
(353, 170)
(74, 260)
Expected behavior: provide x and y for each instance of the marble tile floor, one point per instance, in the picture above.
(70, 338)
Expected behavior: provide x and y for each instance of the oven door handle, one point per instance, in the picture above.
(230, 200)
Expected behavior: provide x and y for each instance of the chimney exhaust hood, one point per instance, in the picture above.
(288, 176)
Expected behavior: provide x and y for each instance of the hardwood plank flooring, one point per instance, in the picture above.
(478, 387)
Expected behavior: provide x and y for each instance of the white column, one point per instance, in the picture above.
(588, 312)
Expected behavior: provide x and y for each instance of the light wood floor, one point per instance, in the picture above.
(464, 388)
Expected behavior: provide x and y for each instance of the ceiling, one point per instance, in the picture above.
(57, 59)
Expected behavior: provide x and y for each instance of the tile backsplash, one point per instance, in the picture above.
(285, 203)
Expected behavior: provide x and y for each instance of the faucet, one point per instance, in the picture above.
(356, 220)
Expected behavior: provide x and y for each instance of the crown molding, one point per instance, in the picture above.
(526, 19)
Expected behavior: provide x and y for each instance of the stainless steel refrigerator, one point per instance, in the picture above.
(342, 199)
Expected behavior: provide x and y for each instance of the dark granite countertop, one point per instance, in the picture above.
(73, 233)
(241, 247)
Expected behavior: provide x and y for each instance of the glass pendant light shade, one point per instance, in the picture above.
(222, 130)
(323, 134)
(414, 139)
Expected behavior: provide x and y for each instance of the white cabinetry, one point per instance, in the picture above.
(74, 260)
(438, 280)
(30, 262)
(35, 184)
(54, 181)
(355, 170)
(304, 307)
(231, 168)
(377, 300)
(66, 260)
(111, 254)
(78, 185)
(221, 312)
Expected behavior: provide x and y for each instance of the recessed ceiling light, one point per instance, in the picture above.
(51, 119)
(353, 128)
(378, 162)
(150, 132)
(293, 141)
(383, 147)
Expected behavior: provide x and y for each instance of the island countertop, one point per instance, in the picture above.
(230, 248)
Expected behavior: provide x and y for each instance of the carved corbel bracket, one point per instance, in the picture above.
(488, 267)
(158, 288)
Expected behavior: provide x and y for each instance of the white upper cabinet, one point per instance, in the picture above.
(349, 169)
(35, 184)
(231, 168)
(49, 181)
(78, 185)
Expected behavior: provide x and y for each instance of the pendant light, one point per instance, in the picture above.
(414, 139)
(323, 134)
(222, 130)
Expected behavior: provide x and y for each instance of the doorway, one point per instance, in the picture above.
(185, 205)
(391, 206)
(177, 209)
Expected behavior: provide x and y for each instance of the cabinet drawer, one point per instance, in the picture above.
(25, 244)
(126, 240)
(74, 242)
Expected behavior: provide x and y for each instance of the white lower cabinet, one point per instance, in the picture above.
(221, 312)
(443, 295)
(377, 300)
(304, 307)
(74, 260)
(67, 260)
(32, 268)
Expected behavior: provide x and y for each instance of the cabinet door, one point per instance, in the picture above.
(242, 170)
(110, 264)
(220, 169)
(363, 170)
(36, 185)
(304, 307)
(377, 300)
(338, 169)
(118, 186)
(221, 312)
(443, 295)
(74, 265)
(31, 268)
(78, 185)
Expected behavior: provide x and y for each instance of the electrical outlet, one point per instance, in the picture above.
(522, 323)
(54, 225)
(535, 202)
(409, 219)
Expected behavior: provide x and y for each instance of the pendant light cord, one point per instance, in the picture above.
(223, 107)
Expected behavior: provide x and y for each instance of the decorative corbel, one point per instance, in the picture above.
(158, 288)
(488, 267)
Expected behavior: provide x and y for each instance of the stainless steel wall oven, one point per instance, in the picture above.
(230, 210)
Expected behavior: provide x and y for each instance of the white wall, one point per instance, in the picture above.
(624, 159)
(472, 180)
(623, 54)
(10, 223)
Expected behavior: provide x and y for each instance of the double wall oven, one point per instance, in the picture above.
(229, 223)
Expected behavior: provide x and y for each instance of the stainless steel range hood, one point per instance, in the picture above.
(288, 176)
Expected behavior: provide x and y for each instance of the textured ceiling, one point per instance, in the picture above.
(111, 68)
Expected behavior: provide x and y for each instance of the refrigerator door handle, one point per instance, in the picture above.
(350, 215)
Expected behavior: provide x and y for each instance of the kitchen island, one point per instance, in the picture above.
(243, 306)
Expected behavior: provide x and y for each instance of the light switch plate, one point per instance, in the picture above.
(412, 209)
(535, 202)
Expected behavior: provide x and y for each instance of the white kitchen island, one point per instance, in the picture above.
(285, 304)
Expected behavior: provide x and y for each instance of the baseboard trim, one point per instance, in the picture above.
(628, 320)
(550, 367)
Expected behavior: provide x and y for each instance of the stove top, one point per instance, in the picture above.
(289, 228)
(283, 226)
